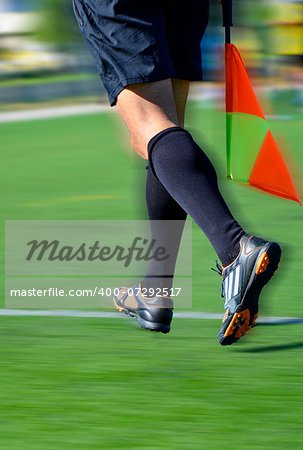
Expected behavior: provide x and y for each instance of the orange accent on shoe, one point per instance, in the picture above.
(118, 308)
(262, 263)
(239, 324)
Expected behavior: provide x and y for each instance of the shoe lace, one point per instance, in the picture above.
(218, 268)
(219, 271)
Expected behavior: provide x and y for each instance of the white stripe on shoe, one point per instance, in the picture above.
(237, 281)
(232, 284)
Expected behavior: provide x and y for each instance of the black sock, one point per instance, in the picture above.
(190, 178)
(162, 207)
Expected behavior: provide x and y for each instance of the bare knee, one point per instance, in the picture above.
(139, 138)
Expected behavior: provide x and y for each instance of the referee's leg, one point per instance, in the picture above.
(150, 113)
(147, 109)
(161, 206)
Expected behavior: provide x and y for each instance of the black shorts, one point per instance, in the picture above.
(139, 41)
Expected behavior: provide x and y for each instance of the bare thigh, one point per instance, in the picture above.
(149, 108)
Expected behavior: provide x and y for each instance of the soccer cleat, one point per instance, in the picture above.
(242, 283)
(153, 314)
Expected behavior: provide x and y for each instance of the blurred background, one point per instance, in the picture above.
(43, 57)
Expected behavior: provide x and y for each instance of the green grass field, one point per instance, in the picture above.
(71, 383)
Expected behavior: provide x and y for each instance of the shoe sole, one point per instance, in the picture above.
(246, 313)
(146, 324)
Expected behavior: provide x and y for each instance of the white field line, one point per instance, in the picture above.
(53, 112)
(114, 315)
(200, 93)
(74, 110)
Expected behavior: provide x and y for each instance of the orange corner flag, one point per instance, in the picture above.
(270, 172)
(252, 153)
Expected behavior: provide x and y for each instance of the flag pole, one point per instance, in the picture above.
(227, 9)
(227, 23)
